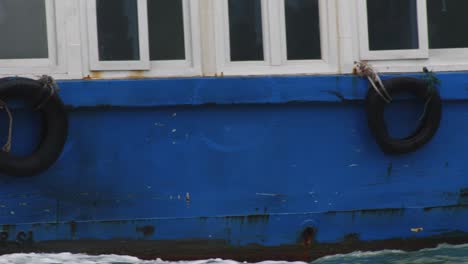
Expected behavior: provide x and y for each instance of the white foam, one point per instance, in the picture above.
(443, 254)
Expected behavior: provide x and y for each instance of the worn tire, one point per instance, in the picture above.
(53, 134)
(428, 126)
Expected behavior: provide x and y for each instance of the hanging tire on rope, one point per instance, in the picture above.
(380, 94)
(43, 97)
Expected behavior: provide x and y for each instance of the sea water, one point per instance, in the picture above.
(443, 254)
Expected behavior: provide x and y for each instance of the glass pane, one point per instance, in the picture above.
(23, 24)
(245, 27)
(117, 22)
(393, 24)
(447, 23)
(166, 29)
(303, 29)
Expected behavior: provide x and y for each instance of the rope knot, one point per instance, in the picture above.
(7, 147)
(50, 85)
(363, 69)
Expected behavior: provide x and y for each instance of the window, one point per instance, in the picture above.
(119, 40)
(245, 30)
(393, 29)
(301, 45)
(447, 24)
(31, 29)
(24, 22)
(276, 36)
(151, 35)
(166, 30)
(406, 35)
(159, 38)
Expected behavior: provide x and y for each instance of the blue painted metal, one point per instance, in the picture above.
(234, 90)
(233, 159)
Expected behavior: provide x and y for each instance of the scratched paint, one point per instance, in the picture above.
(260, 171)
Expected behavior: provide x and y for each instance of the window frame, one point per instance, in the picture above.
(96, 64)
(366, 54)
(274, 42)
(191, 64)
(56, 53)
(453, 59)
(69, 46)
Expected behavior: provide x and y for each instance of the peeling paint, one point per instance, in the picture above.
(417, 229)
(270, 194)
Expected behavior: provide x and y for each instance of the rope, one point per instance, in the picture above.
(432, 82)
(7, 146)
(51, 85)
(364, 69)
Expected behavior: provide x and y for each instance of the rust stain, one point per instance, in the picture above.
(389, 169)
(239, 219)
(463, 192)
(390, 211)
(383, 211)
(8, 228)
(260, 218)
(136, 74)
(308, 236)
(446, 207)
(250, 219)
(463, 196)
(351, 238)
(146, 230)
(73, 229)
(96, 75)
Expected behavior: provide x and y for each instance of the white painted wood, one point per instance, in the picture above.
(367, 54)
(275, 13)
(73, 56)
(347, 31)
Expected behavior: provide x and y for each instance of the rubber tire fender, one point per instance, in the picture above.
(54, 129)
(429, 123)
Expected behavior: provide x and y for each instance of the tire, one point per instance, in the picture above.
(428, 126)
(54, 132)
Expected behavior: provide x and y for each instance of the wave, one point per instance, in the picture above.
(443, 254)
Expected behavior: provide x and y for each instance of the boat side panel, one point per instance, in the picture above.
(242, 170)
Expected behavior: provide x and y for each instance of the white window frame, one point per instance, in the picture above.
(55, 63)
(328, 38)
(191, 64)
(352, 45)
(96, 64)
(367, 54)
(274, 42)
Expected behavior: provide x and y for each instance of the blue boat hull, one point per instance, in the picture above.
(241, 167)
